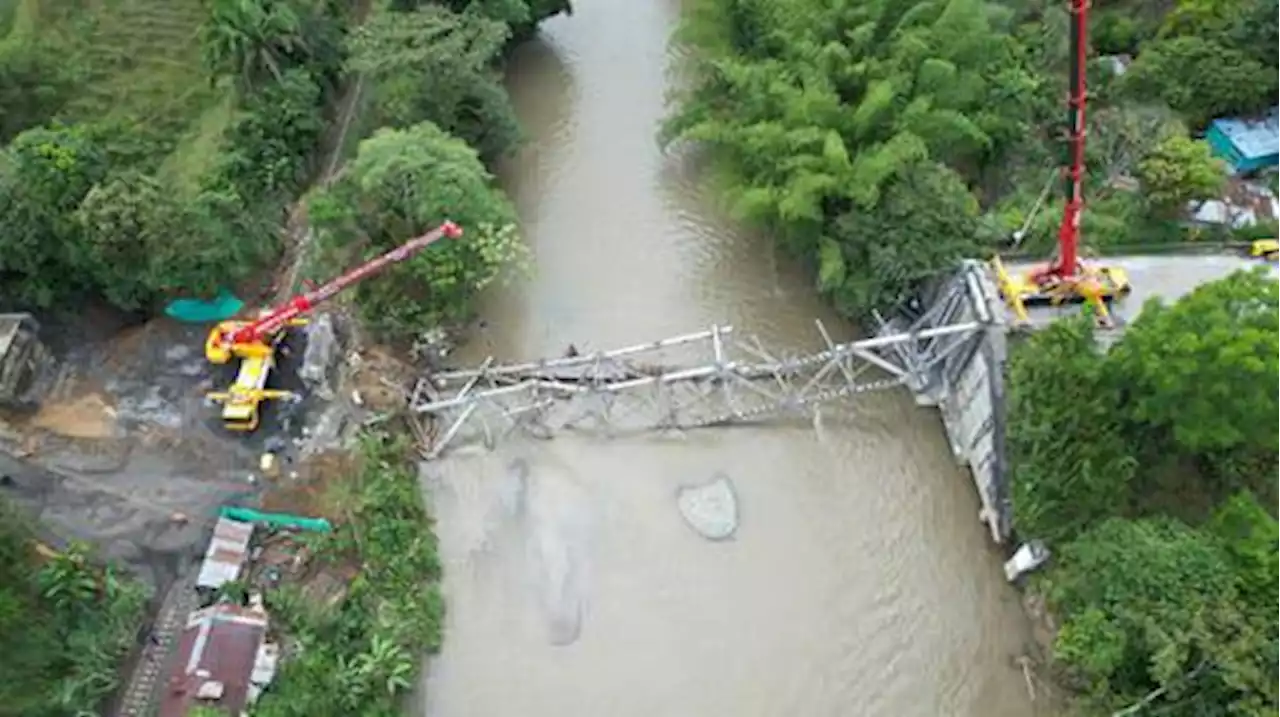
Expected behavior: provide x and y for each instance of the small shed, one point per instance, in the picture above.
(226, 555)
(1246, 145)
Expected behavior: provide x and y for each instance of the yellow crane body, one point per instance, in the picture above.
(242, 401)
(1096, 285)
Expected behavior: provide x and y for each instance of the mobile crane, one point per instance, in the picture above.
(1065, 278)
(255, 342)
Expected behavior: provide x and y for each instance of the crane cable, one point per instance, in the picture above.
(1021, 233)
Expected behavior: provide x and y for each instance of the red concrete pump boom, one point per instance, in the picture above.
(278, 318)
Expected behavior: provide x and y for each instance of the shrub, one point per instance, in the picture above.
(360, 660)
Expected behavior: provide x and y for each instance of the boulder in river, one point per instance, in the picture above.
(710, 508)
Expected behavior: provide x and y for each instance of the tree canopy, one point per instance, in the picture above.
(1146, 484)
(64, 624)
(1071, 462)
(1153, 604)
(1178, 170)
(1200, 77)
(400, 184)
(1205, 368)
(854, 129)
(437, 65)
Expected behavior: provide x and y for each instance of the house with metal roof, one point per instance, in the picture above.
(223, 661)
(1246, 145)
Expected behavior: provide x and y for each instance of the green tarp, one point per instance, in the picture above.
(279, 520)
(199, 311)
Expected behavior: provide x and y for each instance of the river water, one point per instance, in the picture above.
(860, 581)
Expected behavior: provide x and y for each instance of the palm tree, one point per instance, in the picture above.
(250, 37)
(388, 663)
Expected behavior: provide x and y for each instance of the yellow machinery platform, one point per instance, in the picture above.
(242, 401)
(1268, 249)
(1096, 286)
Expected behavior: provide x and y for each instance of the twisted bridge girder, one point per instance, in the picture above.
(708, 378)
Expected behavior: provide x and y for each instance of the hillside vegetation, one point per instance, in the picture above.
(1152, 471)
(152, 148)
(64, 624)
(881, 140)
(134, 64)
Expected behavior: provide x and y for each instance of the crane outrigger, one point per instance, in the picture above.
(1066, 278)
(255, 342)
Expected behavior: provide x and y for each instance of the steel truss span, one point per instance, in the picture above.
(709, 378)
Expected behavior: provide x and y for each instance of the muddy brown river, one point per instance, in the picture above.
(860, 581)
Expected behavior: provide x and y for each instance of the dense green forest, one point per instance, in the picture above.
(1151, 468)
(140, 166)
(882, 140)
(64, 625)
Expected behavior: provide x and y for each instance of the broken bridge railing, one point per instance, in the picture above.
(708, 378)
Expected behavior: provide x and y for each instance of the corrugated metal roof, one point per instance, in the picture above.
(1245, 203)
(1253, 137)
(216, 658)
(227, 553)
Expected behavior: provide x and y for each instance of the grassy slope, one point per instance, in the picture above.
(140, 69)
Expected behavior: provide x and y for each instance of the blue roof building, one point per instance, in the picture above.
(1246, 145)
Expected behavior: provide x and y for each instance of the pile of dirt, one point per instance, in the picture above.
(329, 586)
(382, 380)
(86, 416)
(320, 488)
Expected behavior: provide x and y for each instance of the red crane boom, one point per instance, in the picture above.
(278, 318)
(1067, 263)
(1065, 278)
